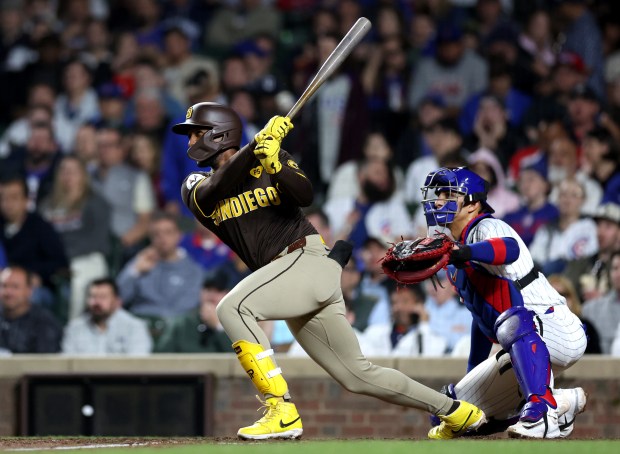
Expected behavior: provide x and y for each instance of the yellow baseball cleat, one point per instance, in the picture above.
(280, 420)
(466, 418)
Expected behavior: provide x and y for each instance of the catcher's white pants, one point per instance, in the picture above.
(303, 288)
(492, 385)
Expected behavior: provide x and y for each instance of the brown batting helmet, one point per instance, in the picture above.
(223, 127)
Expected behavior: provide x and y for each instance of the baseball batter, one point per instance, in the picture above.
(252, 201)
(512, 304)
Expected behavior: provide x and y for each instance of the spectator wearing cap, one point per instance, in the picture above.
(454, 72)
(112, 103)
(604, 311)
(602, 161)
(569, 72)
(486, 164)
(493, 131)
(199, 331)
(584, 37)
(584, 109)
(570, 237)
(181, 63)
(35, 161)
(535, 210)
(540, 137)
(591, 274)
(412, 143)
(106, 328)
(514, 102)
(553, 94)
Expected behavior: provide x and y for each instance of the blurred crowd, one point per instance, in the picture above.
(99, 255)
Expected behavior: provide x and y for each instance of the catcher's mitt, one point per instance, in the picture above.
(411, 262)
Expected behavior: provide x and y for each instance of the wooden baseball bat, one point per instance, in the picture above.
(359, 29)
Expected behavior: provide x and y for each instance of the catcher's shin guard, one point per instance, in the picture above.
(261, 368)
(516, 333)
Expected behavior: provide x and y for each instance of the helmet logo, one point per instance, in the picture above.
(188, 115)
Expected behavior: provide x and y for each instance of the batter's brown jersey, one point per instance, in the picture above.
(256, 214)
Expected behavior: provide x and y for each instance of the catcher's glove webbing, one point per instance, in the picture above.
(411, 262)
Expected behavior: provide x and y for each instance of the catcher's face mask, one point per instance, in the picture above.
(441, 192)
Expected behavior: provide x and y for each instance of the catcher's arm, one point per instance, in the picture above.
(495, 251)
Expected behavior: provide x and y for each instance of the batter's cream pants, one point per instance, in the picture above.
(303, 288)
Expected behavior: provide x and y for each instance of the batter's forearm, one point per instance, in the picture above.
(294, 185)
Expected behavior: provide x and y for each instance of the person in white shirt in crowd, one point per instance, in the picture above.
(77, 104)
(571, 237)
(446, 316)
(408, 333)
(377, 211)
(128, 191)
(344, 182)
(604, 312)
(106, 328)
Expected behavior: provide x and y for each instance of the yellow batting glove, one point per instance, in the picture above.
(278, 127)
(267, 150)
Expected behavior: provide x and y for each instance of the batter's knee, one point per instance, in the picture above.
(512, 325)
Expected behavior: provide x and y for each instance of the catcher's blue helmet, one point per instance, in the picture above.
(456, 181)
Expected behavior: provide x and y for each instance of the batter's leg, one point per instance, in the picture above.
(330, 341)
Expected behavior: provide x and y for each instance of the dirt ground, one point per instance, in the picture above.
(53, 442)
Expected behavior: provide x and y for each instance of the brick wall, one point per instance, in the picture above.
(327, 409)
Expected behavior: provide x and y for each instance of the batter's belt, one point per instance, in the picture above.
(297, 244)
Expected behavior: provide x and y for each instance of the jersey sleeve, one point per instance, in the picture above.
(493, 244)
(292, 182)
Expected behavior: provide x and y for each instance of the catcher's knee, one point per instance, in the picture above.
(512, 325)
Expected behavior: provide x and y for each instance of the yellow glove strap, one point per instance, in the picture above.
(266, 146)
(271, 164)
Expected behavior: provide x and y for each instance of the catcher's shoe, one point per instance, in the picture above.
(571, 402)
(280, 420)
(537, 420)
(466, 418)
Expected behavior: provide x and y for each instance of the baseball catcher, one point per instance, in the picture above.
(512, 304)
